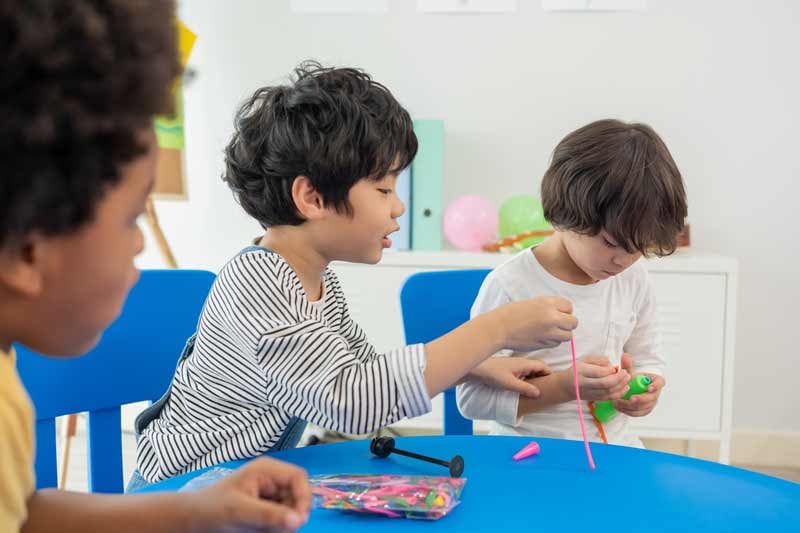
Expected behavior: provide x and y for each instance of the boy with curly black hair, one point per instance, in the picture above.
(316, 164)
(80, 81)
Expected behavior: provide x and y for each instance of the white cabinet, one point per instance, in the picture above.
(696, 295)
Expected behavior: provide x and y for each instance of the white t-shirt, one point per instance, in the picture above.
(614, 315)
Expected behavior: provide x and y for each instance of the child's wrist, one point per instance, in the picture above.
(565, 384)
(496, 329)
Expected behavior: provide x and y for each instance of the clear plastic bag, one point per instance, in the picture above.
(205, 479)
(395, 496)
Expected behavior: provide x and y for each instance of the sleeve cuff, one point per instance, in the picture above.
(408, 365)
(655, 369)
(507, 406)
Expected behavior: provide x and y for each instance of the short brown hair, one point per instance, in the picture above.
(617, 177)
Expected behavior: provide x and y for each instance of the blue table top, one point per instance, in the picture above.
(630, 489)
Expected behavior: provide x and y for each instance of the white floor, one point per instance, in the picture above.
(77, 473)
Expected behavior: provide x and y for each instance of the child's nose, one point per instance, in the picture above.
(626, 260)
(398, 208)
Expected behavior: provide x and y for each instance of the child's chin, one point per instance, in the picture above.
(375, 258)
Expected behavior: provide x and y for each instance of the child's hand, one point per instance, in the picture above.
(642, 404)
(597, 378)
(510, 373)
(265, 494)
(534, 324)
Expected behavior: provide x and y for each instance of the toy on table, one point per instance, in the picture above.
(527, 451)
(395, 496)
(604, 410)
(383, 446)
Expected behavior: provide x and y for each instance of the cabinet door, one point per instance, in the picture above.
(691, 310)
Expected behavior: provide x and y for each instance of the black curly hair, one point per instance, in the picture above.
(79, 81)
(618, 177)
(335, 126)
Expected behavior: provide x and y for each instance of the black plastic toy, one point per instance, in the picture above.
(383, 446)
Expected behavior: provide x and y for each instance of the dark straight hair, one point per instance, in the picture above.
(617, 177)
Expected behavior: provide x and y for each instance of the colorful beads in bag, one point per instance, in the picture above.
(396, 496)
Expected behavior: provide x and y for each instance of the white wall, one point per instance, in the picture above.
(718, 80)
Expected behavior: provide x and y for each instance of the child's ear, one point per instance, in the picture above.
(21, 267)
(307, 199)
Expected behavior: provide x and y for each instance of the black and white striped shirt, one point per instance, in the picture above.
(264, 354)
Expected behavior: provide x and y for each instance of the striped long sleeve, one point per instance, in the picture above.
(264, 354)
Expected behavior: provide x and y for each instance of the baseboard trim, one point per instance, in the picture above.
(748, 447)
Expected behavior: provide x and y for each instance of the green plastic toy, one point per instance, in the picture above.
(604, 410)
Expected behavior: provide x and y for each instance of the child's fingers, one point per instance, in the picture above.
(522, 387)
(600, 360)
(656, 384)
(618, 392)
(271, 476)
(532, 367)
(626, 362)
(561, 304)
(559, 335)
(609, 382)
(637, 405)
(592, 371)
(264, 513)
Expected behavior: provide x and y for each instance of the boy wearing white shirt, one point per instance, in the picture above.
(612, 193)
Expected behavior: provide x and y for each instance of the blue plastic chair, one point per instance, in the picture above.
(432, 304)
(133, 362)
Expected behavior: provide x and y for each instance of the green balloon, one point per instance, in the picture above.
(522, 213)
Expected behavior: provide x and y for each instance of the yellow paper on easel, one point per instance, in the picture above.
(186, 39)
(169, 130)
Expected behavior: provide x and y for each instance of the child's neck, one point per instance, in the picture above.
(553, 256)
(306, 262)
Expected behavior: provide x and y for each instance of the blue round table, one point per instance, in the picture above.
(631, 489)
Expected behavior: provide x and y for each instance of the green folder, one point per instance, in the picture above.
(427, 175)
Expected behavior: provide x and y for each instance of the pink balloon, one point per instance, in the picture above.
(470, 222)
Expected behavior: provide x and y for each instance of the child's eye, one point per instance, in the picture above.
(609, 243)
(385, 191)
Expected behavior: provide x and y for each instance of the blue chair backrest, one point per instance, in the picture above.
(432, 304)
(134, 361)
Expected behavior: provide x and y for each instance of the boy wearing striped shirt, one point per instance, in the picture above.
(316, 164)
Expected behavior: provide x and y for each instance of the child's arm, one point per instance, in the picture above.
(523, 326)
(494, 387)
(646, 356)
(477, 399)
(262, 494)
(312, 372)
(596, 377)
(509, 373)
